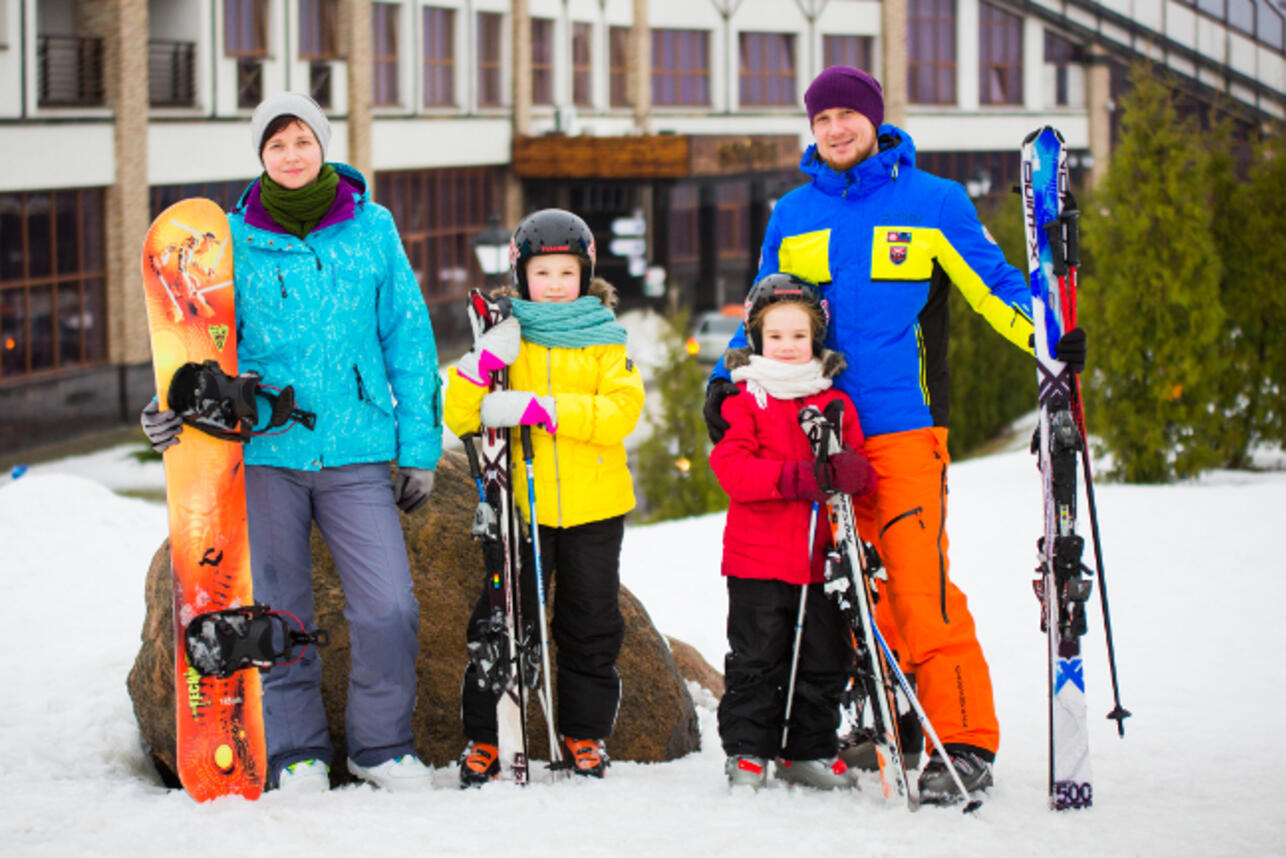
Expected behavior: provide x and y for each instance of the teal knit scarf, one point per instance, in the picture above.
(573, 325)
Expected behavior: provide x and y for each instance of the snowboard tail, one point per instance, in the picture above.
(188, 284)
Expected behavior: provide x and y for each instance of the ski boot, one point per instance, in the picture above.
(479, 764)
(744, 770)
(858, 749)
(588, 757)
(938, 787)
(819, 774)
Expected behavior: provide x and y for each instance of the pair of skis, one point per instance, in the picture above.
(1064, 582)
(850, 581)
(507, 660)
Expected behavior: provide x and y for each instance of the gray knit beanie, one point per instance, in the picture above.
(295, 104)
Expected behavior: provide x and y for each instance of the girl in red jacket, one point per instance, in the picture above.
(766, 465)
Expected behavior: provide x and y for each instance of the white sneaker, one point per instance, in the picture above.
(400, 774)
(303, 776)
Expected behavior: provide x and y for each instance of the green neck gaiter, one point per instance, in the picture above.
(300, 210)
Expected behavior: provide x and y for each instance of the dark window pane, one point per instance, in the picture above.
(39, 233)
(11, 252)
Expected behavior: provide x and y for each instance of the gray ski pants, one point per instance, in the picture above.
(354, 509)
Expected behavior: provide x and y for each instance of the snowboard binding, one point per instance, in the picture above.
(210, 400)
(222, 642)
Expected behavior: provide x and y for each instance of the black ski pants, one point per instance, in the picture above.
(587, 629)
(761, 636)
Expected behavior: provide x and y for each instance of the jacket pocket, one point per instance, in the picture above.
(807, 256)
(901, 253)
(372, 391)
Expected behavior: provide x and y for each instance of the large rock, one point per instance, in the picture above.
(656, 722)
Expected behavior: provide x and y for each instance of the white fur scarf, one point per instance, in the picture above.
(764, 378)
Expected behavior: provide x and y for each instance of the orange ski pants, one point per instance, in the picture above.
(924, 617)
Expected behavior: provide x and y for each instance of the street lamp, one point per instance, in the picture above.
(491, 246)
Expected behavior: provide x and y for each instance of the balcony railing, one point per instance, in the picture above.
(69, 71)
(171, 73)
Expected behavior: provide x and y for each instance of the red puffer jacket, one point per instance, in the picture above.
(766, 535)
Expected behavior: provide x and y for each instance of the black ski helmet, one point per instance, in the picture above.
(781, 287)
(551, 231)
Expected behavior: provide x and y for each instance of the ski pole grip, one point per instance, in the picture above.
(1073, 236)
(1057, 249)
(526, 443)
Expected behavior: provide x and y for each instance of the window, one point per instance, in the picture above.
(53, 274)
(437, 213)
(439, 56)
(931, 51)
(582, 39)
(1241, 15)
(542, 61)
(1269, 25)
(767, 68)
(490, 42)
(1064, 72)
(685, 232)
(618, 39)
(680, 67)
(245, 28)
(1000, 56)
(384, 49)
(732, 220)
(318, 25)
(852, 51)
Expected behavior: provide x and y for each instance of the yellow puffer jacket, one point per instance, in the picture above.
(580, 473)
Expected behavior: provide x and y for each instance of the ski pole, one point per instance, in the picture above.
(555, 754)
(971, 804)
(799, 629)
(1067, 283)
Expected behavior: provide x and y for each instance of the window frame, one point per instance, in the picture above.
(775, 82)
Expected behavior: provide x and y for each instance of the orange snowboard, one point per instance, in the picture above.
(187, 275)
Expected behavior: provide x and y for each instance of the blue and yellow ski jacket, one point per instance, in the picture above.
(884, 241)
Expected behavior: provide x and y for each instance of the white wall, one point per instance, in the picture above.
(58, 156)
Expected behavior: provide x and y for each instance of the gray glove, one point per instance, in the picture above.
(162, 428)
(412, 487)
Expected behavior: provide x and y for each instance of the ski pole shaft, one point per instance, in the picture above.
(799, 630)
(555, 755)
(1118, 713)
(891, 661)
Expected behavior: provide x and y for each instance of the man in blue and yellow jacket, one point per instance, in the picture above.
(884, 240)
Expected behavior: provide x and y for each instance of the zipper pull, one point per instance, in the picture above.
(282, 281)
(361, 388)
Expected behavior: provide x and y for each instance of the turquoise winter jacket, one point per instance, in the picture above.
(885, 241)
(339, 316)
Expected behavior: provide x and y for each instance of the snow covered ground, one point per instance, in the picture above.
(1197, 591)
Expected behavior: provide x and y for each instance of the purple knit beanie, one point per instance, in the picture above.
(845, 86)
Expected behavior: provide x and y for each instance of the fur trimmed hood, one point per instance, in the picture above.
(598, 288)
(833, 363)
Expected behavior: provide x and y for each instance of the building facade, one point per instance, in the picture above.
(679, 122)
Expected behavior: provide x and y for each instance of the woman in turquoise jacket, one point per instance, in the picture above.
(327, 303)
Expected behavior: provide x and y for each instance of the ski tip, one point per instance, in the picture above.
(972, 806)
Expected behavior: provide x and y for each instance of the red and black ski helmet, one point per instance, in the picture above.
(551, 231)
(783, 287)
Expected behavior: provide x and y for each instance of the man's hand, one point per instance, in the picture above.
(719, 390)
(1071, 349)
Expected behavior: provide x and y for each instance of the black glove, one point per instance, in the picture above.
(162, 428)
(719, 390)
(1071, 349)
(411, 488)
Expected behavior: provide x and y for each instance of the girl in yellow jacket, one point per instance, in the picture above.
(571, 379)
